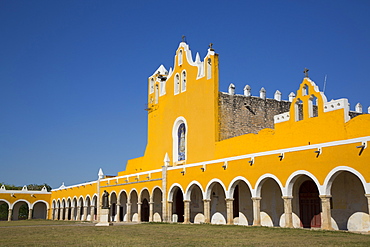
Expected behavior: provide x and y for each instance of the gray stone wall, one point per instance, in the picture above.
(239, 114)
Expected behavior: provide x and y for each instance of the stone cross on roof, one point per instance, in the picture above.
(305, 71)
(210, 46)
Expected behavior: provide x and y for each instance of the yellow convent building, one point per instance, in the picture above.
(222, 158)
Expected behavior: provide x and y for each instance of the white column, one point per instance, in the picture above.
(207, 210)
(186, 211)
(151, 211)
(10, 212)
(128, 212)
(288, 211)
(256, 211)
(230, 210)
(326, 212)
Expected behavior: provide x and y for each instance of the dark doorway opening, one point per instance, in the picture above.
(145, 211)
(309, 204)
(179, 206)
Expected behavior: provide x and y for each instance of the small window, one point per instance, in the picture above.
(151, 86)
(177, 84)
(313, 106)
(305, 90)
(298, 110)
(181, 142)
(180, 57)
(209, 68)
(183, 81)
(156, 93)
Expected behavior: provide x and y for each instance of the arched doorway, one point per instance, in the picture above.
(242, 204)
(134, 207)
(20, 211)
(309, 205)
(218, 204)
(145, 210)
(123, 207)
(196, 205)
(39, 210)
(272, 205)
(157, 207)
(4, 210)
(178, 206)
(349, 206)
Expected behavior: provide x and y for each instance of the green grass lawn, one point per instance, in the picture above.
(62, 233)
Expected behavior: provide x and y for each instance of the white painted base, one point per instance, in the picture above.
(104, 218)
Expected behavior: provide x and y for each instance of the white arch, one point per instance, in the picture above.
(233, 183)
(20, 200)
(94, 199)
(190, 187)
(3, 200)
(120, 193)
(336, 171)
(257, 191)
(130, 195)
(141, 193)
(152, 194)
(171, 190)
(175, 144)
(80, 199)
(47, 204)
(69, 201)
(288, 190)
(210, 186)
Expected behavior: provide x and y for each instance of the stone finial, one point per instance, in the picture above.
(25, 188)
(277, 95)
(358, 108)
(62, 186)
(368, 110)
(231, 89)
(263, 93)
(166, 160)
(100, 174)
(247, 90)
(291, 97)
(2, 187)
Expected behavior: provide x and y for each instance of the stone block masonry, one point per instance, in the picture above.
(240, 114)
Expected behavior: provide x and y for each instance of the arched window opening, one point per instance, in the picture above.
(4, 210)
(181, 142)
(313, 111)
(209, 68)
(151, 86)
(156, 93)
(183, 85)
(298, 110)
(305, 90)
(180, 57)
(177, 84)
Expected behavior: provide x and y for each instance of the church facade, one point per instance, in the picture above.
(222, 158)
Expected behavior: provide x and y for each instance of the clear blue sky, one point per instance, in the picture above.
(73, 74)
